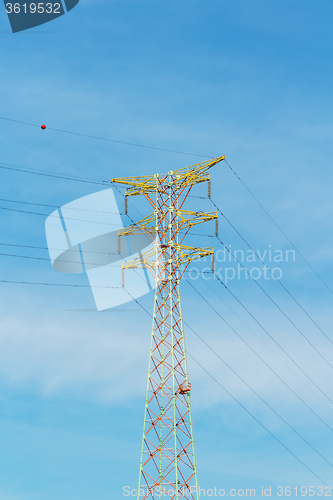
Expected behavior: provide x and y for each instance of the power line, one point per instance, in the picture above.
(177, 152)
(58, 260)
(5, 166)
(248, 384)
(251, 414)
(278, 357)
(70, 249)
(267, 404)
(264, 401)
(56, 284)
(272, 274)
(57, 207)
(70, 218)
(238, 335)
(271, 337)
(89, 136)
(258, 421)
(280, 229)
(35, 171)
(76, 177)
(263, 329)
(276, 305)
(51, 215)
(296, 364)
(46, 248)
(39, 258)
(291, 427)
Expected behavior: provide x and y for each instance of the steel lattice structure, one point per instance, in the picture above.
(168, 463)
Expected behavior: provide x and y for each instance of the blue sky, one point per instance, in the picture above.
(251, 80)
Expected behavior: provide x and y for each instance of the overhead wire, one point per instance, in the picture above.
(283, 350)
(277, 375)
(58, 260)
(51, 215)
(280, 229)
(239, 336)
(272, 274)
(56, 284)
(307, 386)
(57, 207)
(272, 338)
(276, 305)
(62, 260)
(95, 137)
(89, 136)
(257, 420)
(183, 153)
(277, 356)
(250, 413)
(17, 168)
(266, 403)
(309, 444)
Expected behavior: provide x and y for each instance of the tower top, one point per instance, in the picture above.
(187, 176)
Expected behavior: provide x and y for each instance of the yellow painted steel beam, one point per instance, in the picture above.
(186, 254)
(187, 219)
(187, 176)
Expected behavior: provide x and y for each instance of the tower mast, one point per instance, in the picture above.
(168, 463)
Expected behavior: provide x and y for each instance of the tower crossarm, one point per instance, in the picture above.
(188, 254)
(140, 227)
(186, 219)
(148, 258)
(184, 177)
(145, 259)
(196, 173)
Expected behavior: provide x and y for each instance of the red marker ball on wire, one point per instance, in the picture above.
(43, 127)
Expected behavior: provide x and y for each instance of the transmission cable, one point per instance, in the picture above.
(295, 363)
(177, 152)
(251, 414)
(58, 207)
(271, 272)
(57, 216)
(105, 138)
(243, 340)
(283, 380)
(273, 301)
(56, 284)
(280, 229)
(278, 357)
(258, 421)
(271, 337)
(16, 168)
(263, 400)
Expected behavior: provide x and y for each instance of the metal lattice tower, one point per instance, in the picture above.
(168, 463)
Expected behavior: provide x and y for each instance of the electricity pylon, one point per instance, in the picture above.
(168, 462)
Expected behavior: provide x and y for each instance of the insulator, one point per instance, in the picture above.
(216, 227)
(209, 189)
(123, 278)
(213, 263)
(119, 244)
(126, 205)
